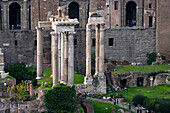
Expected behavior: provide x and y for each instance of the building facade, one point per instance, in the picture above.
(133, 28)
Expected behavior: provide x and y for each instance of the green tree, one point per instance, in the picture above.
(61, 99)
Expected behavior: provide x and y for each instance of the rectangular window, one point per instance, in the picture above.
(93, 42)
(35, 43)
(150, 21)
(150, 5)
(116, 5)
(75, 42)
(16, 43)
(110, 41)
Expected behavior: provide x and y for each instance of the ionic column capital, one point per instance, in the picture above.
(71, 33)
(102, 25)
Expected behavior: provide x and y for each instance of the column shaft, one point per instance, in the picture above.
(88, 50)
(5, 16)
(55, 58)
(71, 59)
(59, 57)
(62, 57)
(25, 15)
(39, 54)
(97, 51)
(66, 57)
(101, 51)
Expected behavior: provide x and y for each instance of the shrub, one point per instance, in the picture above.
(61, 99)
(151, 57)
(138, 99)
(20, 72)
(34, 82)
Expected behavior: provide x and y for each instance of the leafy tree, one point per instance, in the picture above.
(138, 99)
(20, 72)
(61, 99)
(151, 57)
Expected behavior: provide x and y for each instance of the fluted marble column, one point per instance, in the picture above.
(101, 51)
(70, 58)
(88, 50)
(54, 38)
(62, 57)
(97, 51)
(39, 54)
(66, 57)
(59, 57)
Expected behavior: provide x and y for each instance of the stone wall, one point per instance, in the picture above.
(131, 44)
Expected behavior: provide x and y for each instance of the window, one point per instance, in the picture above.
(75, 42)
(116, 5)
(16, 43)
(150, 5)
(35, 43)
(150, 21)
(93, 42)
(110, 41)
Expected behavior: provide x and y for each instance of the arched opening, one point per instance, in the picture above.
(29, 17)
(131, 14)
(140, 81)
(14, 16)
(74, 11)
(123, 82)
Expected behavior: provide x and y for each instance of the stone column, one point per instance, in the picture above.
(66, 57)
(62, 57)
(54, 38)
(101, 51)
(39, 54)
(59, 56)
(25, 15)
(97, 51)
(70, 58)
(5, 15)
(88, 55)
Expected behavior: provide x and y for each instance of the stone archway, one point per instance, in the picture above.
(73, 11)
(131, 13)
(14, 16)
(123, 82)
(140, 81)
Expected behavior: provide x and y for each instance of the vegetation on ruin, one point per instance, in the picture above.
(78, 78)
(145, 68)
(20, 72)
(151, 57)
(101, 107)
(61, 99)
(150, 92)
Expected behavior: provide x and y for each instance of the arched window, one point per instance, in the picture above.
(74, 10)
(14, 16)
(131, 14)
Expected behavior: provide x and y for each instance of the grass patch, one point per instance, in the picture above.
(78, 79)
(100, 107)
(144, 68)
(155, 92)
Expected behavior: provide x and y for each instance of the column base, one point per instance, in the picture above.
(88, 80)
(38, 78)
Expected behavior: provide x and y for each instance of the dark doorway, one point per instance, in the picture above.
(14, 16)
(123, 82)
(150, 21)
(140, 81)
(74, 11)
(29, 17)
(131, 14)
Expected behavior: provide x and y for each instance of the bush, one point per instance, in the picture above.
(138, 99)
(151, 57)
(20, 72)
(61, 99)
(34, 82)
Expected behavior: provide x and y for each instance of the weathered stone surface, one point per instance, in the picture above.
(161, 79)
